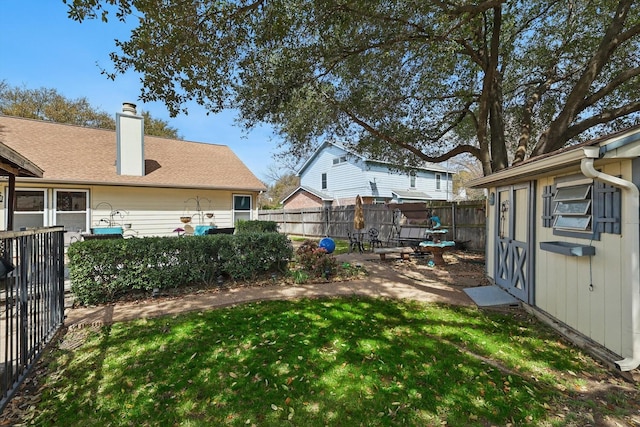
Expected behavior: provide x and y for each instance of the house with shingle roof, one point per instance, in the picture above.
(334, 175)
(94, 178)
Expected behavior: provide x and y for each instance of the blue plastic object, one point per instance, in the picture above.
(327, 244)
(107, 230)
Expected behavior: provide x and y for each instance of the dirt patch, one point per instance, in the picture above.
(463, 269)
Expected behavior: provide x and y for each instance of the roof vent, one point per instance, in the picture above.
(129, 108)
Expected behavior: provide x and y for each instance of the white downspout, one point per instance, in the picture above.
(632, 231)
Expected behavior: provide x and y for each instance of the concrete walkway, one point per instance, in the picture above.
(382, 281)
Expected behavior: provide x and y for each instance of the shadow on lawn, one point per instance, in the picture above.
(336, 361)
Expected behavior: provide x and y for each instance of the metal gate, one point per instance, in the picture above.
(513, 250)
(32, 301)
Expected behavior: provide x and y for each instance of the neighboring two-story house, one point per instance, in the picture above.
(333, 175)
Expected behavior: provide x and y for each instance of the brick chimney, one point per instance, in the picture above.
(129, 141)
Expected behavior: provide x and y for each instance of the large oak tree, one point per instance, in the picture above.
(400, 80)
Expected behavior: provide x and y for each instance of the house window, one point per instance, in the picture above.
(572, 208)
(70, 209)
(412, 179)
(241, 208)
(339, 160)
(30, 209)
(324, 181)
(438, 181)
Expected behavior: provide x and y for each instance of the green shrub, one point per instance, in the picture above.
(256, 227)
(103, 270)
(314, 260)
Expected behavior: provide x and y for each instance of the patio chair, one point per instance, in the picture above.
(374, 241)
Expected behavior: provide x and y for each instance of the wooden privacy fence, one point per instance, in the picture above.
(464, 220)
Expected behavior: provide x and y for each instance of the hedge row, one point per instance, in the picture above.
(103, 270)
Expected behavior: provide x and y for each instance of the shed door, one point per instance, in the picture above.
(513, 249)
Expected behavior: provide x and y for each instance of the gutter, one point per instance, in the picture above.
(632, 229)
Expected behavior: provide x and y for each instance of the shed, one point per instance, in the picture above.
(563, 238)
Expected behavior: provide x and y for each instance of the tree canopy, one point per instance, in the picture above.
(405, 81)
(48, 104)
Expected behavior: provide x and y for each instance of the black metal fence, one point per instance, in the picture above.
(32, 296)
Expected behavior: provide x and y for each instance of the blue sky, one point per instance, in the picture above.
(40, 47)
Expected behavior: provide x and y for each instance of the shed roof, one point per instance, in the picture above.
(623, 144)
(81, 155)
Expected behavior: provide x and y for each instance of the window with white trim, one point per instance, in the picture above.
(339, 160)
(30, 209)
(412, 179)
(324, 181)
(241, 208)
(438, 182)
(70, 209)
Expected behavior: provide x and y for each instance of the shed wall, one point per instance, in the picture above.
(583, 292)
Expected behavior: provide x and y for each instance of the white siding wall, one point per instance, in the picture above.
(343, 180)
(353, 177)
(150, 211)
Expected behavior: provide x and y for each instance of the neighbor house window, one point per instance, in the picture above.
(339, 160)
(70, 209)
(30, 209)
(324, 181)
(412, 179)
(241, 208)
(438, 181)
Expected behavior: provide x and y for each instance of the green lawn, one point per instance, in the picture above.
(335, 362)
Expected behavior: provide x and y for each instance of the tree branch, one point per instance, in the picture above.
(621, 78)
(603, 117)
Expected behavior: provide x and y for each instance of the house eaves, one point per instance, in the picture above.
(14, 163)
(431, 167)
(411, 195)
(41, 181)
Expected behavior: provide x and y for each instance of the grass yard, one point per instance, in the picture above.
(335, 362)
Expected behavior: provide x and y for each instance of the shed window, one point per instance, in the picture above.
(572, 209)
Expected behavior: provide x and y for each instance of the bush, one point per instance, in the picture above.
(256, 227)
(314, 260)
(103, 270)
